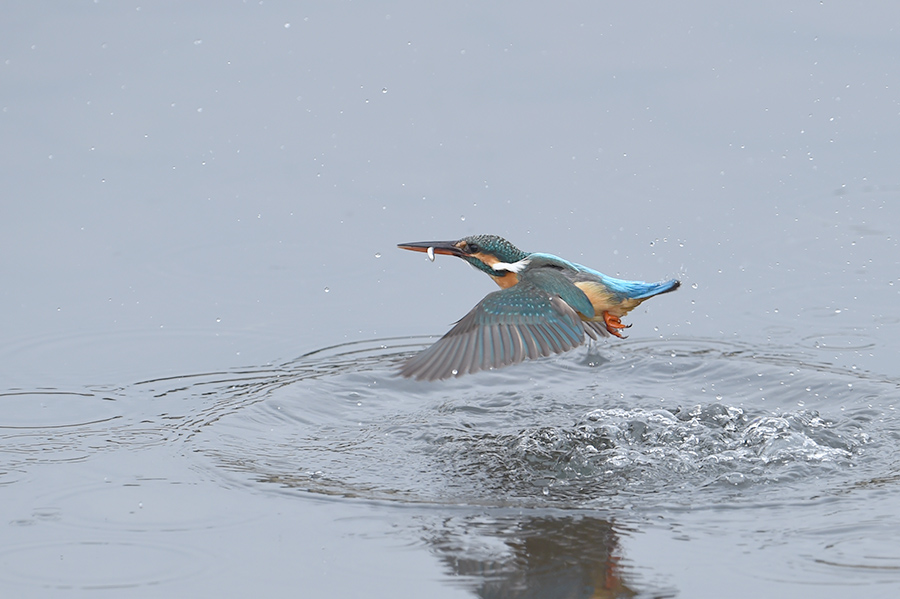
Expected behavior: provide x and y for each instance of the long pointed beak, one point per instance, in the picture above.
(432, 247)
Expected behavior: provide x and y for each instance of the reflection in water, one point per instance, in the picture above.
(692, 424)
(649, 425)
(517, 557)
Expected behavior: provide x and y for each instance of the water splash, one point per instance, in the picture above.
(574, 434)
(613, 429)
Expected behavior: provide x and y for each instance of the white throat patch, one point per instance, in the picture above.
(511, 267)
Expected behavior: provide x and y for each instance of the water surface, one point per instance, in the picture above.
(203, 310)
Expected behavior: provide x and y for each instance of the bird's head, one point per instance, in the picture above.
(488, 253)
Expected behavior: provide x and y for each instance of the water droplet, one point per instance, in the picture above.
(694, 285)
(431, 254)
(454, 372)
(327, 290)
(287, 25)
(462, 217)
(198, 42)
(384, 90)
(378, 254)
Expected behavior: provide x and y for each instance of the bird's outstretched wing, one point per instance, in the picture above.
(528, 320)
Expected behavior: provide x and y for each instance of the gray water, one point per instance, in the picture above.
(203, 309)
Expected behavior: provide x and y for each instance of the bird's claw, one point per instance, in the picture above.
(614, 325)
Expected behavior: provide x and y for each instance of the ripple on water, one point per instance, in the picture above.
(51, 426)
(143, 504)
(52, 408)
(853, 552)
(686, 423)
(48, 426)
(871, 551)
(97, 564)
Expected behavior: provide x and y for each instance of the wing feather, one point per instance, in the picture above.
(494, 357)
(595, 329)
(526, 321)
(531, 347)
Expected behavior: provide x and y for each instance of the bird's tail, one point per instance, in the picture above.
(639, 289)
(651, 289)
(658, 288)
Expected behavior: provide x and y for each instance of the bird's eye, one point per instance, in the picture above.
(473, 248)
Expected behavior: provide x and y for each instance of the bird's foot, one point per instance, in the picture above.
(614, 325)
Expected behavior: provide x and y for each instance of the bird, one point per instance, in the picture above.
(545, 306)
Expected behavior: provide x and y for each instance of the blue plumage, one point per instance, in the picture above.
(638, 289)
(546, 305)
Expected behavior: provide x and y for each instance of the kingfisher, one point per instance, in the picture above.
(545, 306)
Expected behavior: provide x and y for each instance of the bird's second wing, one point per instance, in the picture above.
(506, 327)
